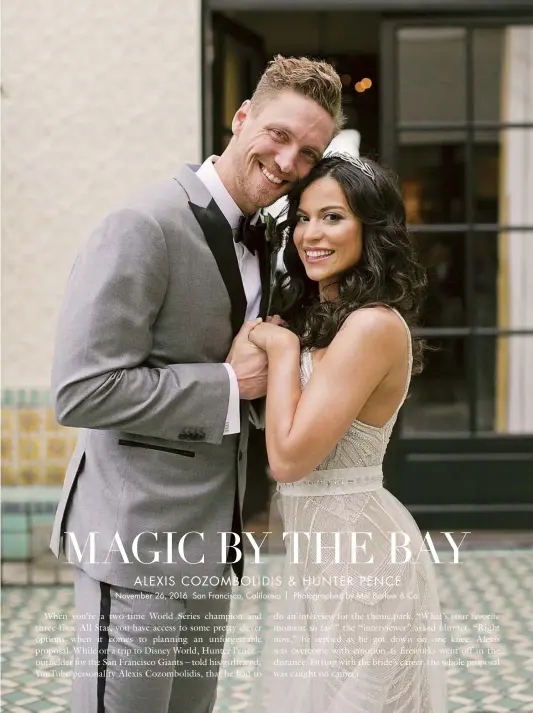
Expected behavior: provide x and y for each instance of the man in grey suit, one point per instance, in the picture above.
(153, 364)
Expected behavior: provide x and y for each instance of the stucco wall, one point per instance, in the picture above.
(99, 98)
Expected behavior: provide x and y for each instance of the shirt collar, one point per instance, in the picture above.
(212, 181)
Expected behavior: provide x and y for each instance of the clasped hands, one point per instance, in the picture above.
(250, 351)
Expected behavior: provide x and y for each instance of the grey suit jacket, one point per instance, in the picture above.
(152, 305)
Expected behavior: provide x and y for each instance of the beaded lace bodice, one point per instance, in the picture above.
(325, 580)
(362, 444)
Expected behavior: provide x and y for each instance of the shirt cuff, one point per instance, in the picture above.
(233, 418)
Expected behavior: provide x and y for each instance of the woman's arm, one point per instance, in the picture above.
(302, 428)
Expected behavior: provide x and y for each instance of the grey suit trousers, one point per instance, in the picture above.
(122, 663)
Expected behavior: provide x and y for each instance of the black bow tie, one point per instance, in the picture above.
(252, 236)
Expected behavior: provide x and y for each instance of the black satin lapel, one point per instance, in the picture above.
(265, 257)
(219, 237)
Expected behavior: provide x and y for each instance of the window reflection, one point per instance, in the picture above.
(431, 64)
(438, 400)
(443, 256)
(432, 177)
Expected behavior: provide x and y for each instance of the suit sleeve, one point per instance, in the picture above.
(100, 374)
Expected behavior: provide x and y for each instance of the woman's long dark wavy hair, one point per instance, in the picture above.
(387, 273)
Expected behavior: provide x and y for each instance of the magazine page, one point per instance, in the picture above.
(267, 408)
(279, 638)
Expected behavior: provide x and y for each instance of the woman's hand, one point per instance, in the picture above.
(270, 335)
(276, 319)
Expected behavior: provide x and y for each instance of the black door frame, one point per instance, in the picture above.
(215, 28)
(468, 480)
(396, 6)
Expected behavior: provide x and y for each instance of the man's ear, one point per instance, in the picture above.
(240, 117)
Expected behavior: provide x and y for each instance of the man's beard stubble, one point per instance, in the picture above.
(257, 196)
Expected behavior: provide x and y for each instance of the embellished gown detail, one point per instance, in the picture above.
(365, 631)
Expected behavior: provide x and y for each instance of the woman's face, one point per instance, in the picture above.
(328, 236)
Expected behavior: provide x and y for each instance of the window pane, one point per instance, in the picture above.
(433, 176)
(505, 384)
(432, 65)
(503, 182)
(501, 73)
(431, 169)
(488, 45)
(502, 291)
(443, 256)
(438, 401)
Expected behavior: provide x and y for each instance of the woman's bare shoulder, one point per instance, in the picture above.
(380, 323)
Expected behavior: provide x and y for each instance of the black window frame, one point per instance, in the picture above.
(391, 130)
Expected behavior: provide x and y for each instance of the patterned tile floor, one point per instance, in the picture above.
(487, 582)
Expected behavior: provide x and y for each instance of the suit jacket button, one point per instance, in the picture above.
(240, 456)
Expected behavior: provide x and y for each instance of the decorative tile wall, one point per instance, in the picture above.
(35, 448)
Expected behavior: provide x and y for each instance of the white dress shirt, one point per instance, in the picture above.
(249, 269)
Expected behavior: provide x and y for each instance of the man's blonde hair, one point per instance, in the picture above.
(312, 78)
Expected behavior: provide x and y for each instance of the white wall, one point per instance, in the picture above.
(99, 99)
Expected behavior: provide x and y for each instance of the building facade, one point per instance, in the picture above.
(98, 101)
(101, 100)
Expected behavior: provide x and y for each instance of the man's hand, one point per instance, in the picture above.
(249, 363)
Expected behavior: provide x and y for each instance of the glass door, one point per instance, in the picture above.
(238, 62)
(457, 126)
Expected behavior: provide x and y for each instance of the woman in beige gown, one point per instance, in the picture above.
(359, 627)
